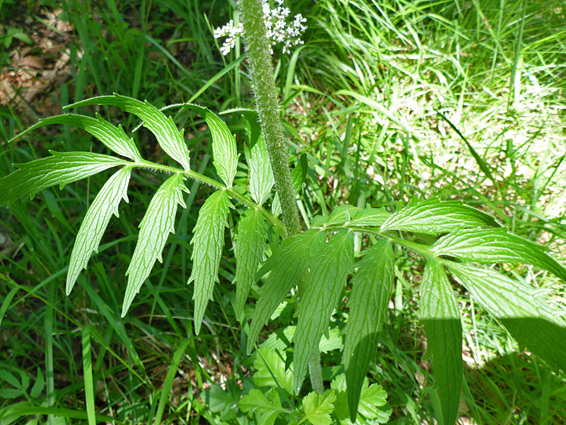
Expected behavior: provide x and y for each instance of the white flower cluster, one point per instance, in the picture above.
(278, 30)
(230, 31)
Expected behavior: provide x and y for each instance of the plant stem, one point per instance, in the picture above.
(267, 103)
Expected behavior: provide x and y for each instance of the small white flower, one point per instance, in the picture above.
(278, 30)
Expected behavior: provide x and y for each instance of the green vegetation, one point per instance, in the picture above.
(386, 104)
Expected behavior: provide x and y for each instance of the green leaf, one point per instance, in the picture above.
(433, 216)
(208, 241)
(60, 169)
(256, 401)
(520, 309)
(372, 287)
(113, 137)
(157, 223)
(287, 265)
(490, 246)
(270, 370)
(168, 136)
(261, 176)
(373, 407)
(443, 328)
(318, 407)
(370, 217)
(266, 409)
(95, 222)
(250, 244)
(224, 148)
(322, 290)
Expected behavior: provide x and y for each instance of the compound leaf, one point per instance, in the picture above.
(321, 294)
(433, 216)
(443, 328)
(114, 138)
(519, 308)
(249, 246)
(208, 241)
(157, 223)
(95, 222)
(60, 169)
(490, 246)
(318, 407)
(261, 176)
(372, 287)
(286, 266)
(164, 129)
(224, 148)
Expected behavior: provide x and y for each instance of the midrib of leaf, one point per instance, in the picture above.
(95, 222)
(320, 296)
(208, 241)
(157, 223)
(443, 328)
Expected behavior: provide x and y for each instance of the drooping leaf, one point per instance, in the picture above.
(443, 328)
(318, 407)
(261, 176)
(519, 308)
(60, 169)
(208, 241)
(270, 370)
(286, 266)
(113, 137)
(95, 222)
(157, 223)
(224, 150)
(433, 216)
(373, 406)
(250, 242)
(163, 128)
(490, 246)
(372, 287)
(321, 294)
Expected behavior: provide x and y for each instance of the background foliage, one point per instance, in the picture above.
(386, 99)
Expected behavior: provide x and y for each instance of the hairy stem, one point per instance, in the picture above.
(267, 103)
